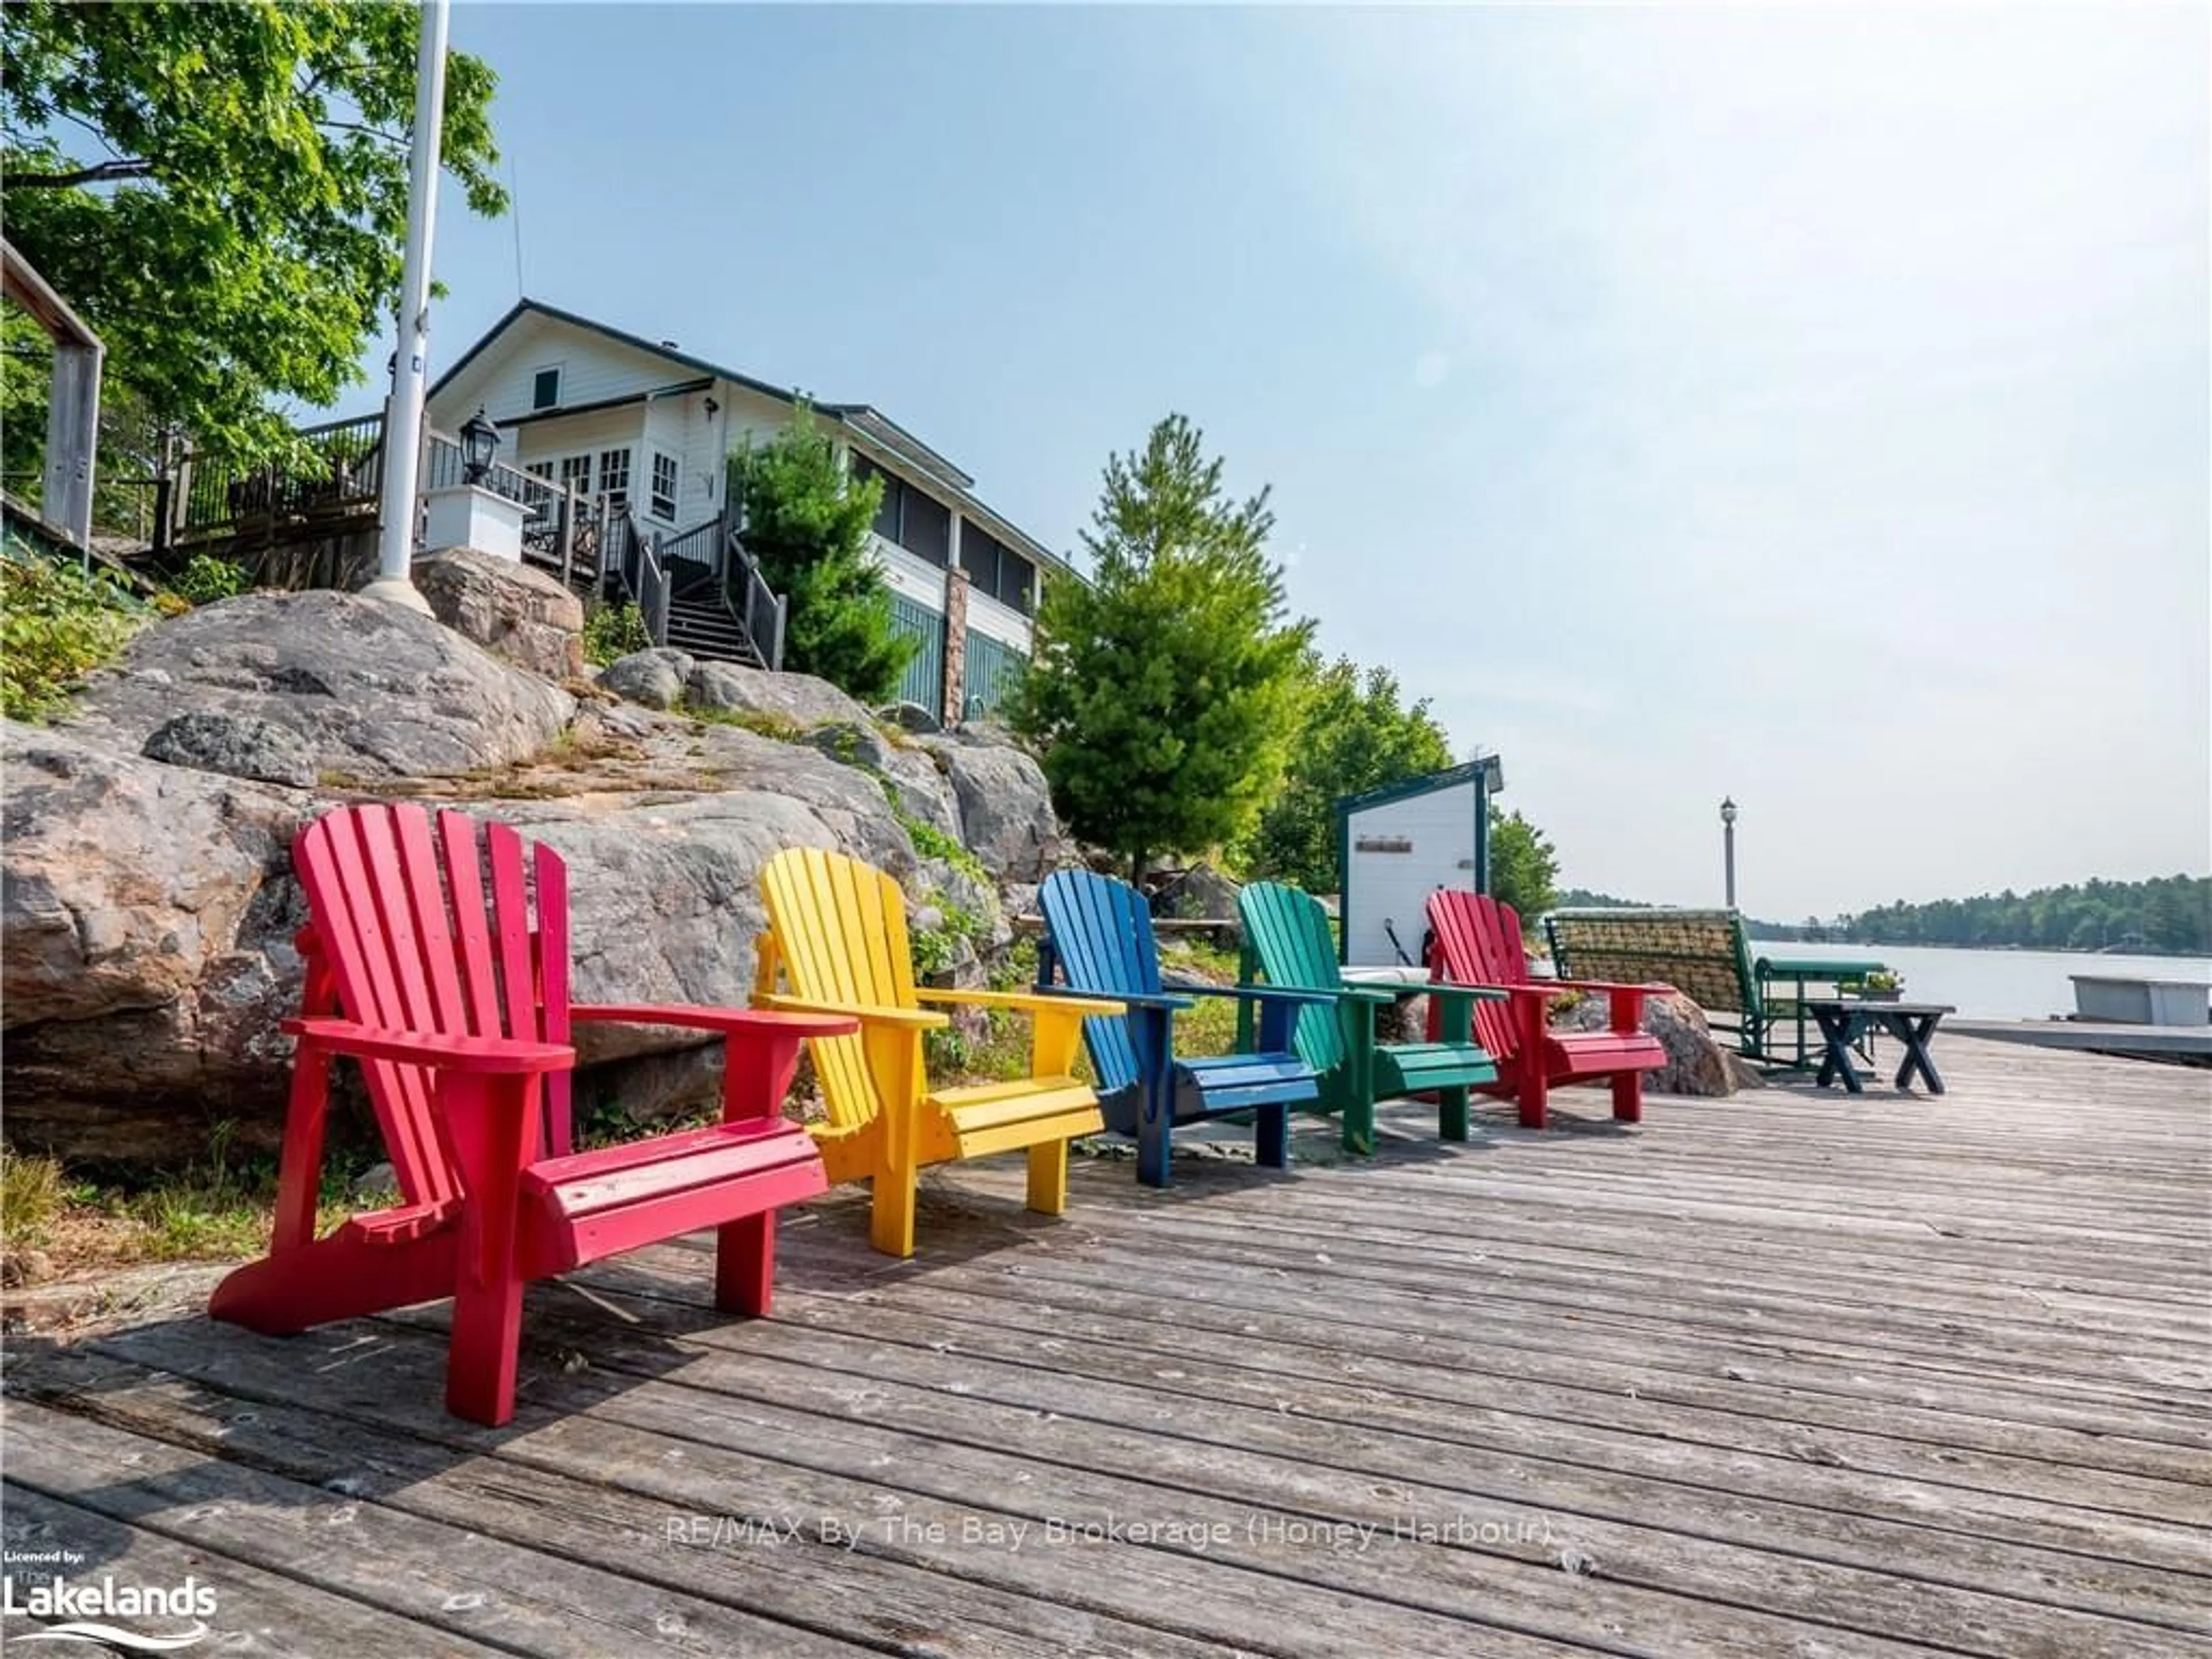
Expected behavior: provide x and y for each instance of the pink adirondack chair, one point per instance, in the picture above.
(1478, 942)
(424, 966)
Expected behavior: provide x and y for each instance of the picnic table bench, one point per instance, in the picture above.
(1846, 1022)
(1705, 955)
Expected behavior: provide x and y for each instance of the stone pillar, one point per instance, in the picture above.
(955, 644)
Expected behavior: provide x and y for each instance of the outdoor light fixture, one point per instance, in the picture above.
(712, 407)
(1728, 846)
(479, 443)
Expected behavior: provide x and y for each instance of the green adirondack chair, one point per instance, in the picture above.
(1287, 945)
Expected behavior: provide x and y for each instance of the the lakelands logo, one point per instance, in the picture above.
(86, 1612)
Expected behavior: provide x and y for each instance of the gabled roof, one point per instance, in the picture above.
(526, 306)
(1407, 788)
(863, 420)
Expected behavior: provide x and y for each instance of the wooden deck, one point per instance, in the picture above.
(1789, 1374)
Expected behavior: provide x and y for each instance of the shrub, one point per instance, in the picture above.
(58, 624)
(614, 631)
(206, 578)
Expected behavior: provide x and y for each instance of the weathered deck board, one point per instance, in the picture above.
(1791, 1373)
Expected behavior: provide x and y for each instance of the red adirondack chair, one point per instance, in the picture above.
(1478, 942)
(457, 1009)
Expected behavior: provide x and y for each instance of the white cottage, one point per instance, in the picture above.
(648, 426)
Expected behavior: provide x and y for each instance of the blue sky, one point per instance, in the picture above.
(1807, 405)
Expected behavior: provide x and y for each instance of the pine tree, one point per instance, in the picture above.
(1164, 692)
(1353, 734)
(806, 523)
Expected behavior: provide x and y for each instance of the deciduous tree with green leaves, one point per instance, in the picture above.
(1354, 733)
(220, 190)
(806, 522)
(1524, 864)
(1164, 692)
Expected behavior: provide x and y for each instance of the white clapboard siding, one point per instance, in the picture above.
(593, 368)
(573, 434)
(997, 620)
(1437, 830)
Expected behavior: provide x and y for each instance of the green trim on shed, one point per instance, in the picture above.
(1475, 772)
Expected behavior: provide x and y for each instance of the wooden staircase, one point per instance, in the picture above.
(699, 592)
(701, 621)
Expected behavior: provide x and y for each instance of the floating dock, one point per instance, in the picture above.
(2189, 1043)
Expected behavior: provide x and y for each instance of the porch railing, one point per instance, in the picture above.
(340, 470)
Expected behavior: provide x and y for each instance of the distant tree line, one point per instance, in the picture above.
(1583, 898)
(2168, 913)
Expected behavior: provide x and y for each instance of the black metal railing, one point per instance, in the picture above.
(339, 469)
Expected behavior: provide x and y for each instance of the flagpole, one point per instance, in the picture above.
(403, 417)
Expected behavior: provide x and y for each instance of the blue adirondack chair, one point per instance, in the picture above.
(1098, 940)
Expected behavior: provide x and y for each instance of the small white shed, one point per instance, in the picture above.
(1397, 844)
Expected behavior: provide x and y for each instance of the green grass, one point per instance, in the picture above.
(1210, 1027)
(781, 728)
(219, 1208)
(32, 1195)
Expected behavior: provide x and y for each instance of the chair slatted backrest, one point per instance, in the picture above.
(1287, 938)
(1701, 953)
(428, 929)
(837, 933)
(1100, 931)
(1478, 942)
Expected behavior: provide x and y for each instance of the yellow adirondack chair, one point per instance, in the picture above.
(836, 935)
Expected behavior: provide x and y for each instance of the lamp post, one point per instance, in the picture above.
(1727, 845)
(480, 444)
(403, 417)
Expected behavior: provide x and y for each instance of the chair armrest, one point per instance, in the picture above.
(1249, 993)
(487, 1056)
(1025, 1001)
(1454, 990)
(897, 1019)
(1132, 998)
(728, 1021)
(1375, 996)
(1599, 987)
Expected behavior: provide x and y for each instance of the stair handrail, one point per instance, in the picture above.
(642, 575)
(758, 607)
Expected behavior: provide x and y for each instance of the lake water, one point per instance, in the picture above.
(1994, 984)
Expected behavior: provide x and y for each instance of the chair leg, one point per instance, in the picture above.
(1451, 1113)
(745, 1264)
(489, 1119)
(1535, 1097)
(890, 1210)
(1048, 1176)
(1271, 1139)
(1155, 1132)
(1359, 1127)
(486, 1351)
(1628, 1097)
